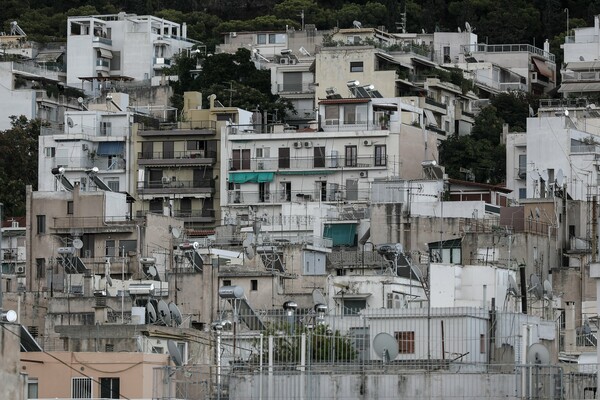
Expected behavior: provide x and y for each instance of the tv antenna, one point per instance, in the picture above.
(385, 346)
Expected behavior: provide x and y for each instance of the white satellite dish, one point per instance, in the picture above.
(468, 27)
(175, 353)
(385, 346)
(318, 297)
(70, 122)
(459, 30)
(536, 287)
(304, 51)
(164, 314)
(537, 353)
(195, 245)
(175, 314)
(512, 289)
(548, 293)
(176, 232)
(566, 113)
(560, 178)
(357, 24)
(248, 245)
(77, 243)
(151, 311)
(543, 175)
(9, 316)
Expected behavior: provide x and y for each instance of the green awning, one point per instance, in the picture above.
(341, 234)
(251, 177)
(308, 172)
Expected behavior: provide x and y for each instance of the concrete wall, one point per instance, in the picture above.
(12, 386)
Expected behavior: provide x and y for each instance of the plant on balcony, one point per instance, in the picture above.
(384, 121)
(92, 154)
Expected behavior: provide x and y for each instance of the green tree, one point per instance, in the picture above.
(19, 163)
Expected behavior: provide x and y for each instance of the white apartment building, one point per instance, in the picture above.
(100, 139)
(559, 149)
(581, 52)
(121, 47)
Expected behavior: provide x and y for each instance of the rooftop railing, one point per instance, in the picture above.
(507, 48)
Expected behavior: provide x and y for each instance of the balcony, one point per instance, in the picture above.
(585, 148)
(178, 158)
(507, 48)
(161, 62)
(99, 42)
(185, 128)
(435, 105)
(206, 216)
(307, 163)
(97, 224)
(167, 186)
(292, 88)
(102, 65)
(240, 197)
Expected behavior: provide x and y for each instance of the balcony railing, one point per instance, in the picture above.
(432, 102)
(162, 61)
(179, 128)
(102, 63)
(507, 48)
(284, 196)
(177, 155)
(102, 163)
(103, 40)
(586, 148)
(209, 215)
(304, 163)
(296, 87)
(167, 185)
(91, 222)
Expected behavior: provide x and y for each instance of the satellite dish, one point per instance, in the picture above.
(544, 175)
(176, 232)
(80, 100)
(109, 280)
(468, 27)
(537, 212)
(175, 314)
(77, 243)
(560, 177)
(585, 329)
(357, 24)
(107, 272)
(385, 346)
(151, 311)
(175, 353)
(152, 272)
(512, 286)
(304, 51)
(536, 287)
(416, 271)
(548, 289)
(164, 313)
(318, 297)
(10, 316)
(248, 245)
(581, 58)
(459, 30)
(566, 113)
(195, 245)
(70, 123)
(537, 353)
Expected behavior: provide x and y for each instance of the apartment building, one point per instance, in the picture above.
(580, 73)
(121, 47)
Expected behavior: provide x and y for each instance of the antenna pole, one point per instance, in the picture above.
(123, 287)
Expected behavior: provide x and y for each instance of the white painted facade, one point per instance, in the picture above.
(100, 139)
(516, 165)
(121, 47)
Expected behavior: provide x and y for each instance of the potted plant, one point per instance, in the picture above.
(384, 121)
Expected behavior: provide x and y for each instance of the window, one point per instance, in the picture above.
(380, 155)
(240, 159)
(109, 388)
(406, 342)
(226, 282)
(105, 128)
(351, 159)
(262, 152)
(355, 114)
(196, 145)
(113, 185)
(292, 81)
(446, 50)
(522, 166)
(157, 350)
(127, 246)
(482, 344)
(284, 157)
(319, 157)
(254, 284)
(147, 150)
(32, 389)
(70, 207)
(81, 388)
(50, 151)
(332, 115)
(40, 267)
(41, 224)
(353, 306)
(110, 248)
(264, 194)
(522, 193)
(285, 191)
(115, 62)
(356, 66)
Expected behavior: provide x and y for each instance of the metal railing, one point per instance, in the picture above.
(172, 155)
(433, 102)
(103, 40)
(284, 196)
(182, 125)
(506, 48)
(303, 163)
(184, 184)
(296, 87)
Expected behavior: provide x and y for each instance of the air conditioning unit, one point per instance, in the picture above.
(307, 144)
(363, 174)
(367, 142)
(84, 147)
(20, 269)
(297, 145)
(284, 61)
(293, 61)
(260, 165)
(166, 179)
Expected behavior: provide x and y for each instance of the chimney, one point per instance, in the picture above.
(184, 30)
(570, 332)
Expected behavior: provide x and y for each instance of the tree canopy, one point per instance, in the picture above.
(19, 163)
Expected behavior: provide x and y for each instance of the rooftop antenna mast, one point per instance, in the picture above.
(402, 24)
(302, 16)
